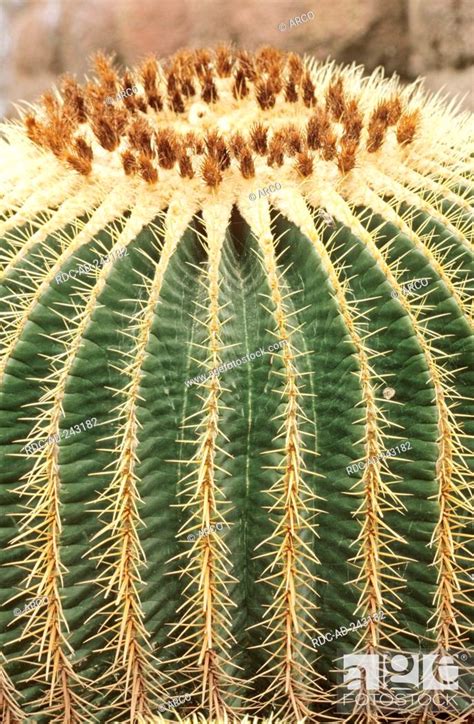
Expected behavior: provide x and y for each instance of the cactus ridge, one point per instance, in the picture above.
(231, 202)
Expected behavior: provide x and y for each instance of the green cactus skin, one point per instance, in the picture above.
(189, 547)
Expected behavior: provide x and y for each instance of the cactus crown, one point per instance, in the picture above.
(202, 440)
(195, 106)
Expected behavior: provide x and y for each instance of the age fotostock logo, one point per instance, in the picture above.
(400, 681)
(429, 672)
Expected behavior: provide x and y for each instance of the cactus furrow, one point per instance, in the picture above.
(449, 219)
(376, 570)
(9, 709)
(294, 501)
(386, 210)
(67, 213)
(209, 569)
(112, 206)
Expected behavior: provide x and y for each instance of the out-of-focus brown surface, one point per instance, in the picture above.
(41, 39)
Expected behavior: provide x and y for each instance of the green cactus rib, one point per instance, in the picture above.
(187, 549)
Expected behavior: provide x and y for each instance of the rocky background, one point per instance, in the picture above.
(40, 39)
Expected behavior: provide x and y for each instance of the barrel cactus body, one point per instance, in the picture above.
(235, 378)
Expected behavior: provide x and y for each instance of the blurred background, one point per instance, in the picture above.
(41, 39)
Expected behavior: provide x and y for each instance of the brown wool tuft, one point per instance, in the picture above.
(275, 79)
(237, 144)
(247, 65)
(202, 63)
(269, 60)
(130, 101)
(346, 159)
(176, 102)
(295, 65)
(57, 132)
(140, 135)
(146, 170)
(217, 148)
(307, 86)
(194, 143)
(352, 121)
(105, 70)
(387, 112)
(264, 94)
(182, 63)
(258, 136)
(211, 172)
(394, 110)
(240, 88)
(105, 132)
(95, 98)
(140, 104)
(224, 61)
(78, 164)
(313, 131)
(209, 92)
(83, 149)
(81, 157)
(120, 120)
(335, 100)
(171, 82)
(149, 76)
(294, 139)
(34, 130)
(155, 102)
(276, 149)
(328, 144)
(185, 165)
(407, 126)
(129, 163)
(304, 164)
(168, 147)
(187, 88)
(247, 166)
(319, 126)
(74, 101)
(291, 94)
(376, 136)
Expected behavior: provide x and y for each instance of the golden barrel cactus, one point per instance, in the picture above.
(235, 394)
